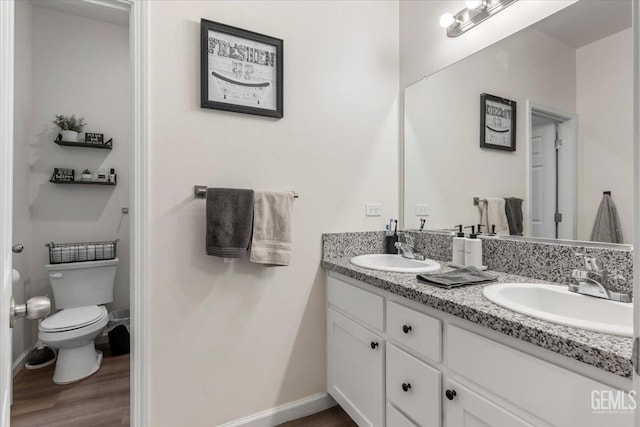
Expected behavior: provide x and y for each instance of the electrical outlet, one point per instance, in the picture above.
(373, 209)
(422, 210)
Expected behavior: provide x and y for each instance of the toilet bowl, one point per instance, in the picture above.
(79, 290)
(72, 331)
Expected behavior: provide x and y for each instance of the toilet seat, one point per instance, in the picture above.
(73, 318)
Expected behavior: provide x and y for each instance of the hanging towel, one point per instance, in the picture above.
(492, 212)
(271, 243)
(606, 227)
(229, 222)
(513, 209)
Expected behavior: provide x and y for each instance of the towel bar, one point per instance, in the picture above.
(200, 192)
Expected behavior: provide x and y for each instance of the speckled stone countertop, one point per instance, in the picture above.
(608, 352)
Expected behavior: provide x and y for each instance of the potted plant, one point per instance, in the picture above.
(86, 175)
(70, 126)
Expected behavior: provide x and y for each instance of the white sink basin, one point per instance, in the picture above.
(395, 263)
(557, 305)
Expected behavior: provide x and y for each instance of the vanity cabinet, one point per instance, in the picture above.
(356, 352)
(392, 362)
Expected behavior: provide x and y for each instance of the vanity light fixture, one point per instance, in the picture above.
(474, 13)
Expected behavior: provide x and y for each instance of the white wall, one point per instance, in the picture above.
(232, 339)
(80, 66)
(605, 149)
(445, 166)
(425, 47)
(25, 331)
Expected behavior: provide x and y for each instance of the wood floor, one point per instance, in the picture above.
(103, 400)
(100, 400)
(333, 417)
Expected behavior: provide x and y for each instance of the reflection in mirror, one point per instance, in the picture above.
(570, 77)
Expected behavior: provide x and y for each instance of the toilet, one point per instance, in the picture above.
(79, 290)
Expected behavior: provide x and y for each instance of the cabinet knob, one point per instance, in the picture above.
(406, 329)
(451, 394)
(406, 387)
(374, 345)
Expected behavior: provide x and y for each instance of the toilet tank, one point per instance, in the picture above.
(78, 284)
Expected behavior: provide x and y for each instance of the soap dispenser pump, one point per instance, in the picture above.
(457, 257)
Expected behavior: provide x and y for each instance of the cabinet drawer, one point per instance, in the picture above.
(554, 394)
(355, 302)
(416, 330)
(395, 418)
(413, 387)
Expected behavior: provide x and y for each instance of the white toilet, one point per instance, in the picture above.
(79, 290)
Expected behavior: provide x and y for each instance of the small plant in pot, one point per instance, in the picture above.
(86, 175)
(70, 126)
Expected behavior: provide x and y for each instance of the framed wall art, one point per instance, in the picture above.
(497, 123)
(240, 71)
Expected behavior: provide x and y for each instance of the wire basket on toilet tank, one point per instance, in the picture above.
(60, 253)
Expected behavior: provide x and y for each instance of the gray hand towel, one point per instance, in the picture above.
(229, 222)
(272, 229)
(456, 278)
(513, 209)
(606, 227)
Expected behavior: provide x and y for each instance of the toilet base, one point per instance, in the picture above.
(75, 364)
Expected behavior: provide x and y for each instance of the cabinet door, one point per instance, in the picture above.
(355, 369)
(467, 409)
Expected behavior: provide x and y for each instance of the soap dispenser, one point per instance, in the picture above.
(473, 250)
(457, 257)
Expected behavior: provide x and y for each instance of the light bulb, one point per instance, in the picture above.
(474, 4)
(446, 20)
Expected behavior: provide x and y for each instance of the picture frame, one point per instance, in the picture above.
(497, 123)
(240, 71)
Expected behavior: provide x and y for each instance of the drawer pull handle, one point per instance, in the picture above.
(406, 329)
(374, 345)
(406, 387)
(451, 394)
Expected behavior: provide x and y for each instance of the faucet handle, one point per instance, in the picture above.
(591, 263)
(406, 238)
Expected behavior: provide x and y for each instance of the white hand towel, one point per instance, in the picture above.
(272, 228)
(492, 212)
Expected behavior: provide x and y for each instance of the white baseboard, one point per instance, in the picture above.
(19, 363)
(281, 414)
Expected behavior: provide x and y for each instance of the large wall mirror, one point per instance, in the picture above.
(570, 77)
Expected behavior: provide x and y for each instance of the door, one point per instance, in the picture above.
(543, 181)
(6, 194)
(355, 368)
(464, 408)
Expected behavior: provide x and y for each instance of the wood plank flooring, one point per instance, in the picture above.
(333, 417)
(100, 400)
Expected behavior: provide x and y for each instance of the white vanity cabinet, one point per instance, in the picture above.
(392, 362)
(355, 355)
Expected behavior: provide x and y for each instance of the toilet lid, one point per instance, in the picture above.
(73, 318)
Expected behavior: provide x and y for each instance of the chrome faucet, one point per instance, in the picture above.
(594, 281)
(406, 248)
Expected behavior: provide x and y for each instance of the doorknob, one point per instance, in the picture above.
(17, 248)
(35, 308)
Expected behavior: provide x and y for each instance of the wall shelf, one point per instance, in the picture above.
(105, 146)
(53, 181)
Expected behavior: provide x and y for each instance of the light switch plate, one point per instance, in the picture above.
(422, 210)
(373, 209)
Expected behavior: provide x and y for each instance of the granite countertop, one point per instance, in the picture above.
(608, 352)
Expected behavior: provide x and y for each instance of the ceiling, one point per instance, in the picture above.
(112, 11)
(587, 21)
